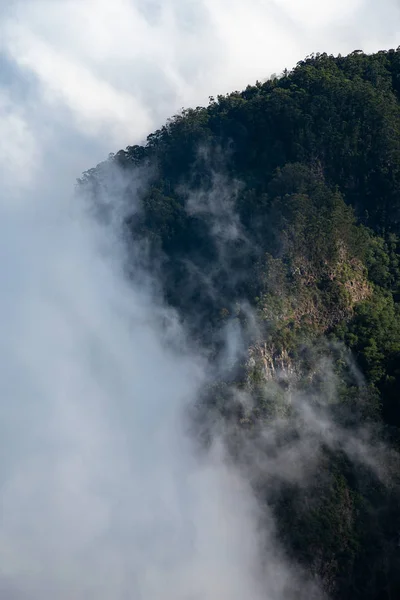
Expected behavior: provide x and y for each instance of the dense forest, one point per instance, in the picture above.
(273, 215)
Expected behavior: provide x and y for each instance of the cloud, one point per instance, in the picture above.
(101, 494)
(19, 151)
(95, 104)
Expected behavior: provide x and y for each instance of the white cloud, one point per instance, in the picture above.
(102, 496)
(310, 14)
(19, 150)
(95, 103)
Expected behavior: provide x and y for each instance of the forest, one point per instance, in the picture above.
(274, 213)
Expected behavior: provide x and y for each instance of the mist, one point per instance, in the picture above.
(103, 493)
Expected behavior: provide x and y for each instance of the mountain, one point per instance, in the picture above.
(271, 219)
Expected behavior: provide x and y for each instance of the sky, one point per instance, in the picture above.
(100, 495)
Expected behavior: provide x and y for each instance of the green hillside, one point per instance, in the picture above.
(275, 212)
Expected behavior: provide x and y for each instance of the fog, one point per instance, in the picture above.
(102, 495)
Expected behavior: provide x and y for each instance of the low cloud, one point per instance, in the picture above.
(102, 494)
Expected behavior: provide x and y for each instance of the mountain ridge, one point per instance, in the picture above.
(276, 210)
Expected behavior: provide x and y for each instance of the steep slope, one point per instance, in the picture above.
(276, 211)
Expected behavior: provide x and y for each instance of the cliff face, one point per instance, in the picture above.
(274, 365)
(276, 211)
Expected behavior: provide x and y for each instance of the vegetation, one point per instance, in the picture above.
(283, 201)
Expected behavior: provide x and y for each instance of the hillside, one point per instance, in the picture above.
(275, 213)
